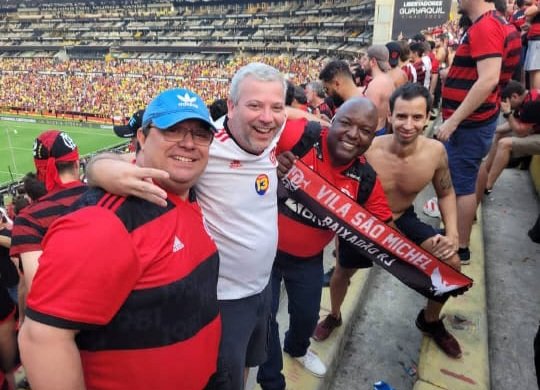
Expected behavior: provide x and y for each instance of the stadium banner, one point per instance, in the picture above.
(413, 16)
(53, 122)
(12, 119)
(372, 238)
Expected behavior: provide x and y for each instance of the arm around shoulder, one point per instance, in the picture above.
(117, 175)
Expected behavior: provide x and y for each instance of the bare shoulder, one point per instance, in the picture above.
(380, 143)
(376, 150)
(433, 145)
(435, 152)
(382, 83)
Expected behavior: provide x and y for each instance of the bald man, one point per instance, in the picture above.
(338, 157)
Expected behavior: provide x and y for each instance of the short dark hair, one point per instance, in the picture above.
(333, 68)
(66, 166)
(418, 48)
(146, 129)
(19, 203)
(500, 5)
(33, 187)
(520, 3)
(405, 51)
(511, 88)
(289, 94)
(218, 108)
(419, 37)
(300, 95)
(410, 91)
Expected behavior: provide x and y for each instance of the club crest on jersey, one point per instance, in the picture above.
(273, 158)
(262, 182)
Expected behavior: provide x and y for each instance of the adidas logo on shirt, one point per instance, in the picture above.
(177, 245)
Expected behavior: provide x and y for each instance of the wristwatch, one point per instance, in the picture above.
(506, 115)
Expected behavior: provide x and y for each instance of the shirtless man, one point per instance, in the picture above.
(338, 81)
(375, 63)
(406, 162)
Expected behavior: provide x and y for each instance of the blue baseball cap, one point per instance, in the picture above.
(174, 106)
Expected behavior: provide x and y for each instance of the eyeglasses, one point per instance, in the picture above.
(200, 136)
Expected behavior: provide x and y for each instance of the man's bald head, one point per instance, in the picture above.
(360, 104)
(352, 130)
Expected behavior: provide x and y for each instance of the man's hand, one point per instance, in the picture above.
(285, 162)
(445, 131)
(444, 247)
(505, 106)
(125, 179)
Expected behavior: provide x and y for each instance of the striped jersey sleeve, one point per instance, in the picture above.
(484, 39)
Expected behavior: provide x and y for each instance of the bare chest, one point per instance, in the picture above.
(405, 176)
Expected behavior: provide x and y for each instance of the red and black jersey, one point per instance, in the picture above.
(420, 69)
(435, 65)
(512, 54)
(518, 19)
(32, 223)
(534, 31)
(408, 68)
(529, 111)
(140, 283)
(325, 110)
(484, 39)
(295, 220)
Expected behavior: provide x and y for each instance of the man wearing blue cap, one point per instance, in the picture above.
(237, 194)
(125, 294)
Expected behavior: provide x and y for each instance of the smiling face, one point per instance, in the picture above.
(184, 160)
(352, 130)
(258, 115)
(408, 119)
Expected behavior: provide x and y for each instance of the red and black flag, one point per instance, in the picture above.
(372, 238)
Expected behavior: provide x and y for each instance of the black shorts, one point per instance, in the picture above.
(409, 224)
(413, 228)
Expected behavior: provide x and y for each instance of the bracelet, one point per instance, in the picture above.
(506, 115)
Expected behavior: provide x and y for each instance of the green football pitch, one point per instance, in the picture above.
(17, 139)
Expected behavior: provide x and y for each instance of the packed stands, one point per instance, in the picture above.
(212, 29)
(105, 59)
(114, 89)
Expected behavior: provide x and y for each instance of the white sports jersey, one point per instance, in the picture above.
(427, 66)
(238, 196)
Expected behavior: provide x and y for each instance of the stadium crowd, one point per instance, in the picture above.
(116, 88)
(373, 113)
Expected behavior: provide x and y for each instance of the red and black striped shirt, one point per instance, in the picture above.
(32, 223)
(420, 71)
(529, 111)
(512, 54)
(518, 18)
(484, 39)
(140, 283)
(534, 31)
